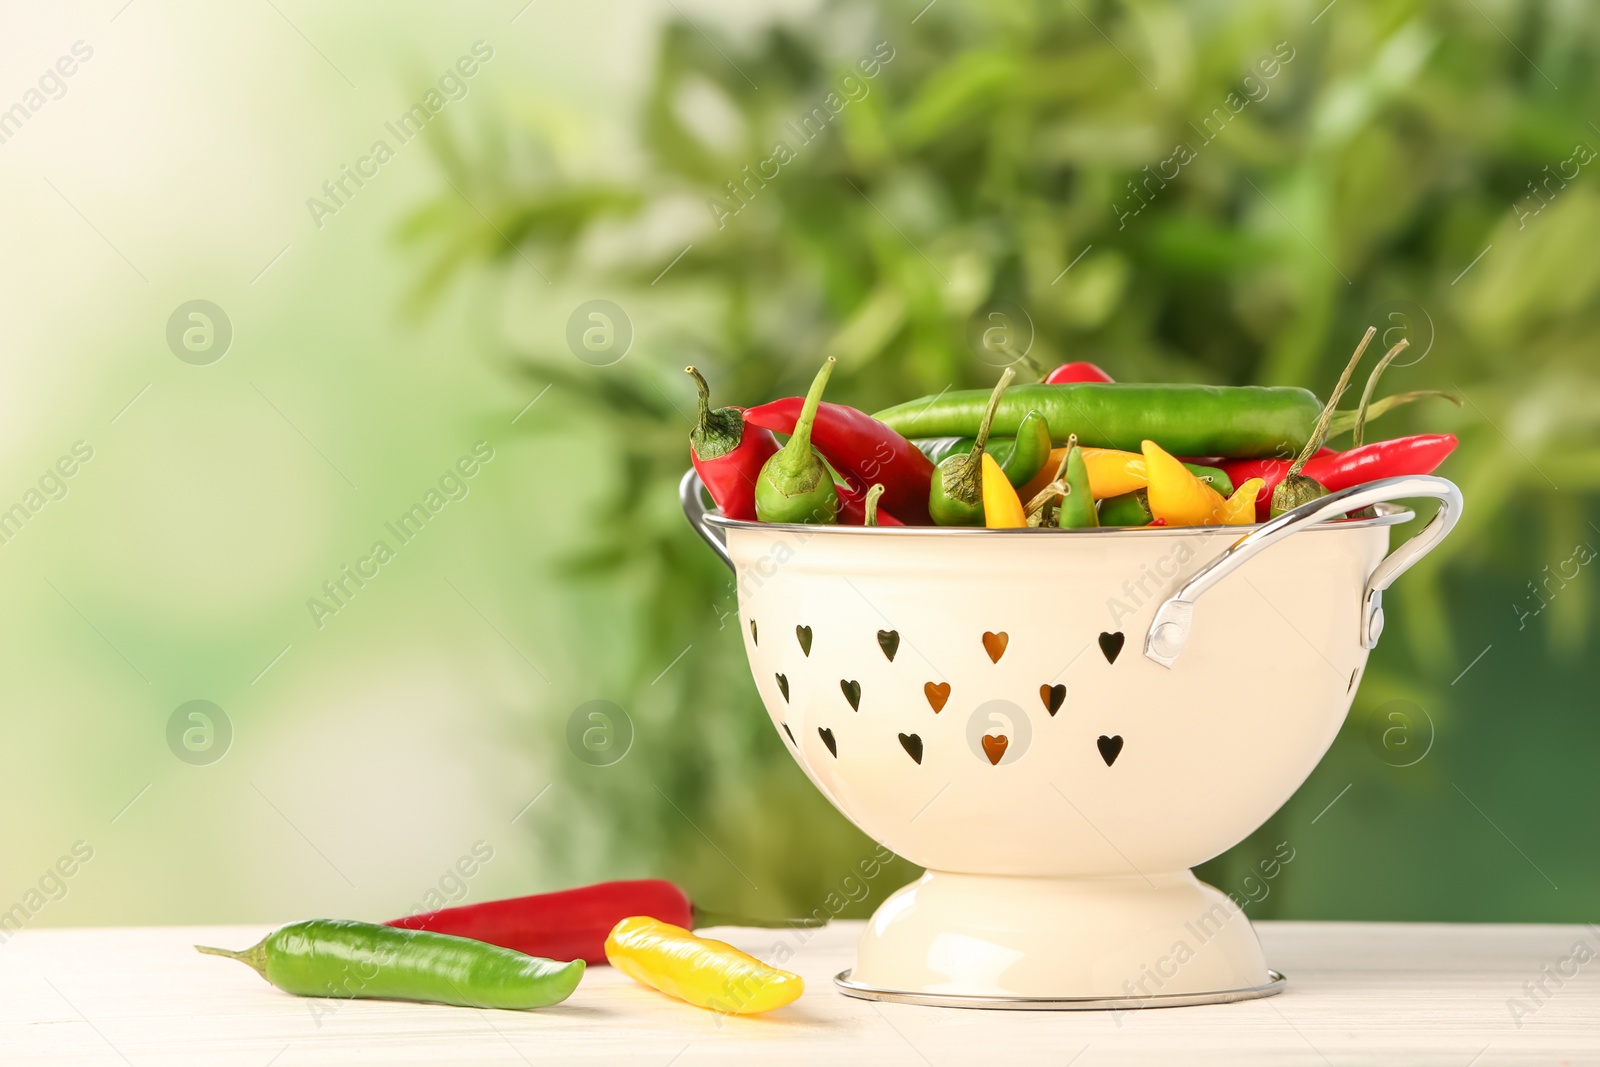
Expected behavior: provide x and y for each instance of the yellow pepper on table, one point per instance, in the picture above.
(702, 971)
(1002, 508)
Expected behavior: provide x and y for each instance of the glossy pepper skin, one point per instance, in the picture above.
(1068, 373)
(1240, 507)
(1419, 454)
(338, 958)
(862, 449)
(570, 924)
(1175, 494)
(795, 484)
(1129, 509)
(1114, 473)
(703, 972)
(1076, 510)
(1024, 458)
(1190, 420)
(1001, 508)
(728, 454)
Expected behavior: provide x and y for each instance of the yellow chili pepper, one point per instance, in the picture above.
(1240, 508)
(1002, 508)
(1175, 494)
(705, 973)
(1113, 473)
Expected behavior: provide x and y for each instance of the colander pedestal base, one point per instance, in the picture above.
(975, 940)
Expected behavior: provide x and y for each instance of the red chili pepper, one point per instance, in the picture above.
(862, 449)
(728, 453)
(853, 509)
(1077, 372)
(1419, 454)
(568, 925)
(572, 924)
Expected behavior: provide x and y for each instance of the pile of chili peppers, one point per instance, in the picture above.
(526, 952)
(1074, 450)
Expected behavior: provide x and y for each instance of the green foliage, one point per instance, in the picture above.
(1025, 151)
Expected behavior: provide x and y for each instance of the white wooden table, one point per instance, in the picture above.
(1359, 993)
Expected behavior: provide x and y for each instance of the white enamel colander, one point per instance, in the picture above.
(1058, 724)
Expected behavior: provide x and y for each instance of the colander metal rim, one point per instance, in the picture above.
(1388, 515)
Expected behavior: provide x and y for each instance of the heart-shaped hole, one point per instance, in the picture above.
(753, 638)
(1052, 695)
(852, 693)
(889, 641)
(937, 693)
(1111, 645)
(827, 739)
(790, 732)
(783, 687)
(913, 746)
(804, 634)
(1110, 747)
(994, 746)
(995, 645)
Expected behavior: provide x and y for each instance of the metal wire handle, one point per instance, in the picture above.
(1169, 630)
(694, 508)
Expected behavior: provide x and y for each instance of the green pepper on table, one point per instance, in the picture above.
(339, 958)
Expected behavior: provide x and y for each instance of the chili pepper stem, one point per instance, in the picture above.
(1320, 434)
(982, 441)
(1056, 487)
(963, 479)
(255, 955)
(870, 508)
(795, 457)
(703, 423)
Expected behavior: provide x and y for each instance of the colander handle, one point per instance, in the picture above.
(1169, 630)
(694, 508)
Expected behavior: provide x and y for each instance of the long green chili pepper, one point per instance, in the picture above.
(794, 485)
(955, 498)
(339, 958)
(1188, 420)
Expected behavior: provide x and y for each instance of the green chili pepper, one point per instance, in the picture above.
(1188, 420)
(1076, 510)
(1021, 458)
(1217, 477)
(794, 484)
(1129, 509)
(955, 498)
(338, 958)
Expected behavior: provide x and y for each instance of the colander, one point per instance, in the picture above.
(1058, 724)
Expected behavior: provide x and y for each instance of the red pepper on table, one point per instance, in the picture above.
(1419, 454)
(862, 449)
(572, 924)
(728, 454)
(1076, 372)
(568, 925)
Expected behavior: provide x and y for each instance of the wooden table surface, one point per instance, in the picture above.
(1359, 993)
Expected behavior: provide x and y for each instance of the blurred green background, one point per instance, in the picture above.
(1424, 168)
